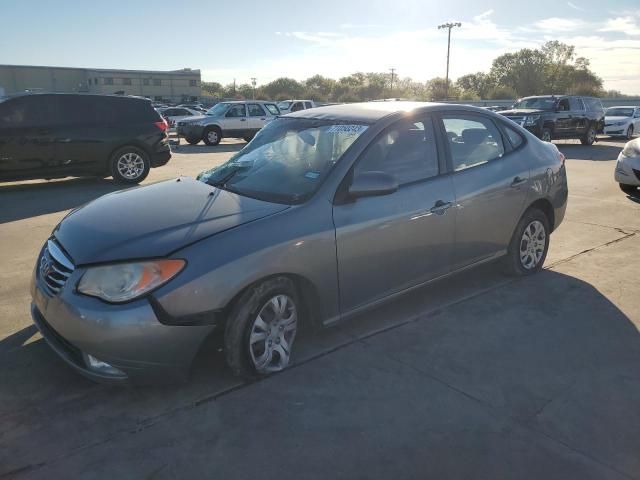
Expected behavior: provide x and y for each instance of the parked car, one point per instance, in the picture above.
(174, 114)
(326, 213)
(237, 119)
(61, 135)
(622, 121)
(288, 106)
(552, 117)
(194, 106)
(497, 108)
(627, 172)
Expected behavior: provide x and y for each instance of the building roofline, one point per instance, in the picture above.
(180, 71)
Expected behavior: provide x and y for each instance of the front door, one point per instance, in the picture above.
(490, 186)
(388, 243)
(27, 137)
(235, 122)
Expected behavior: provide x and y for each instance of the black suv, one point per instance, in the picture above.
(53, 135)
(550, 117)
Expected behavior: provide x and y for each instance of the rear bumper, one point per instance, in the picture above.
(161, 158)
(191, 131)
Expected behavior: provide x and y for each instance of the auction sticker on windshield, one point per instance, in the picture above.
(349, 130)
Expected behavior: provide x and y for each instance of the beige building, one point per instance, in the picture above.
(171, 86)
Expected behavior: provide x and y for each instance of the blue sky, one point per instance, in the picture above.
(228, 40)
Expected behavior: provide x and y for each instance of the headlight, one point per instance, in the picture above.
(531, 120)
(632, 148)
(619, 123)
(125, 281)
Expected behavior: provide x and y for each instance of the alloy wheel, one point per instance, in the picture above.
(532, 245)
(272, 334)
(546, 136)
(212, 136)
(130, 166)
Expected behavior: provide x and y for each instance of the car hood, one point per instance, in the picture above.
(154, 220)
(522, 111)
(617, 119)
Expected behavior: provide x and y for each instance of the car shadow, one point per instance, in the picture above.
(185, 148)
(26, 200)
(513, 344)
(595, 152)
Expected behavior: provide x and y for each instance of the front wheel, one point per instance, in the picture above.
(212, 136)
(546, 135)
(261, 328)
(589, 137)
(629, 189)
(630, 132)
(130, 165)
(529, 244)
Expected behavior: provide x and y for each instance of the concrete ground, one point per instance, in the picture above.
(479, 376)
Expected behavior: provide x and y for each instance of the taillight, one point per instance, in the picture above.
(561, 157)
(162, 125)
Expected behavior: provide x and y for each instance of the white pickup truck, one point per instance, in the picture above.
(288, 106)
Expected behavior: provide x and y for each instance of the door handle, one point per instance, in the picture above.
(263, 118)
(441, 207)
(518, 181)
(243, 119)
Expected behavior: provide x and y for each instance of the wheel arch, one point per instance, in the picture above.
(134, 144)
(546, 207)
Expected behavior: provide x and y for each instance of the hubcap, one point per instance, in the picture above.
(272, 334)
(130, 166)
(532, 245)
(212, 136)
(546, 136)
(592, 135)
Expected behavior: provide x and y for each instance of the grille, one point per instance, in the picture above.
(637, 172)
(519, 120)
(54, 268)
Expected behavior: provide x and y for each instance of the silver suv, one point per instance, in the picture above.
(237, 119)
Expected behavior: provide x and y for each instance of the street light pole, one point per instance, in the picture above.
(393, 71)
(448, 26)
(253, 83)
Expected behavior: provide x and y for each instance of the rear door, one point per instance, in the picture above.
(490, 180)
(235, 121)
(27, 137)
(580, 119)
(257, 116)
(386, 244)
(564, 119)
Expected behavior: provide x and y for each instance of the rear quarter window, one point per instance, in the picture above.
(515, 139)
(273, 109)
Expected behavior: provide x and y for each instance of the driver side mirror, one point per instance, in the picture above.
(372, 184)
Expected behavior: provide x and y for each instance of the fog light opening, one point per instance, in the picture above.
(99, 366)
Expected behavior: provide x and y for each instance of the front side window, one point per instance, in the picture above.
(308, 105)
(538, 103)
(407, 151)
(256, 110)
(576, 104)
(473, 140)
(563, 105)
(287, 160)
(297, 106)
(237, 111)
(284, 105)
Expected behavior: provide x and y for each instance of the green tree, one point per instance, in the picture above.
(283, 88)
(437, 89)
(523, 71)
(475, 84)
(319, 88)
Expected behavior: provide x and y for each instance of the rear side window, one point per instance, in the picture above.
(256, 110)
(132, 111)
(407, 150)
(593, 104)
(297, 106)
(576, 104)
(473, 140)
(308, 105)
(514, 137)
(28, 111)
(273, 110)
(236, 111)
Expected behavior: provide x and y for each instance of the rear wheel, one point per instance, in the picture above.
(261, 328)
(192, 140)
(212, 136)
(630, 132)
(589, 137)
(130, 165)
(529, 244)
(628, 188)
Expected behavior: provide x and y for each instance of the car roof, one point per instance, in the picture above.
(76, 94)
(623, 106)
(369, 112)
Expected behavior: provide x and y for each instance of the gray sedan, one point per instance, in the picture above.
(327, 212)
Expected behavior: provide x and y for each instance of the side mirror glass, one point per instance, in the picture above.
(372, 184)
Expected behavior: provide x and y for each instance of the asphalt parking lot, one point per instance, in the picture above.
(480, 376)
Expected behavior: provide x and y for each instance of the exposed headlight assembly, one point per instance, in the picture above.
(632, 148)
(531, 119)
(123, 282)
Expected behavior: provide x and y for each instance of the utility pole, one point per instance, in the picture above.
(393, 71)
(449, 26)
(234, 88)
(253, 83)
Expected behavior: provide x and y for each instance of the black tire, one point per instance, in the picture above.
(629, 189)
(209, 137)
(192, 140)
(249, 137)
(546, 135)
(513, 263)
(630, 132)
(589, 137)
(134, 154)
(242, 317)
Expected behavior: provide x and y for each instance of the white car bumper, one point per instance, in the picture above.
(614, 130)
(628, 170)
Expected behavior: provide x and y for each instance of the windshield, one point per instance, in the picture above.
(619, 112)
(287, 160)
(218, 109)
(284, 105)
(539, 103)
